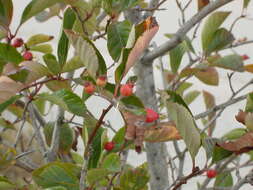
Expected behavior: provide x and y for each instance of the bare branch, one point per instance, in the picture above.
(180, 34)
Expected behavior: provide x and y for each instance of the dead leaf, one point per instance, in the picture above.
(249, 68)
(151, 27)
(162, 132)
(8, 88)
(208, 76)
(240, 117)
(241, 145)
(202, 4)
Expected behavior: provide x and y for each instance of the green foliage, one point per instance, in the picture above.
(57, 174)
(35, 7)
(224, 180)
(117, 38)
(66, 100)
(63, 44)
(185, 124)
(4, 105)
(52, 63)
(6, 12)
(9, 54)
(220, 154)
(210, 28)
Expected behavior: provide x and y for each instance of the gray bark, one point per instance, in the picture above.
(156, 152)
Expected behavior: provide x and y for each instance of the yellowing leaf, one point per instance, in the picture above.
(249, 68)
(162, 132)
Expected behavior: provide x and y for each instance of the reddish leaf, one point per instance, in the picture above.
(202, 4)
(150, 29)
(241, 145)
(240, 117)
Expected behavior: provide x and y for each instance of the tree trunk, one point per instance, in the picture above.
(156, 152)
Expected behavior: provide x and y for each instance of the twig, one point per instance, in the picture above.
(179, 36)
(24, 154)
(82, 184)
(220, 106)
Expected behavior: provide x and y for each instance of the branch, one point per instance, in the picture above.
(219, 107)
(180, 34)
(82, 184)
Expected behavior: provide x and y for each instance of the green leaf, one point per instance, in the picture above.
(57, 174)
(117, 38)
(234, 134)
(246, 3)
(97, 147)
(3, 32)
(220, 154)
(135, 179)
(9, 54)
(35, 7)
(66, 100)
(56, 85)
(176, 98)
(232, 62)
(191, 96)
(176, 55)
(38, 39)
(224, 179)
(52, 63)
(36, 71)
(88, 54)
(4, 105)
(132, 102)
(43, 48)
(186, 126)
(111, 162)
(221, 39)
(96, 174)
(183, 87)
(249, 104)
(56, 188)
(121, 68)
(63, 44)
(211, 25)
(5, 183)
(6, 12)
(209, 145)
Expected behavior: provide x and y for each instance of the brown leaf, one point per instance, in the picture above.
(240, 117)
(202, 4)
(8, 88)
(249, 68)
(162, 132)
(241, 145)
(151, 27)
(208, 76)
(131, 121)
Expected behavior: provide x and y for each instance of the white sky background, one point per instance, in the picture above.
(168, 21)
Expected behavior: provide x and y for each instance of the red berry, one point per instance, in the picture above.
(126, 90)
(101, 81)
(245, 57)
(89, 88)
(18, 42)
(151, 115)
(28, 56)
(109, 146)
(211, 173)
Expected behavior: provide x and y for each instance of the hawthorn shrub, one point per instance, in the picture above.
(38, 153)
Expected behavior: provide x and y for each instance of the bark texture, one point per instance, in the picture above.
(156, 152)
